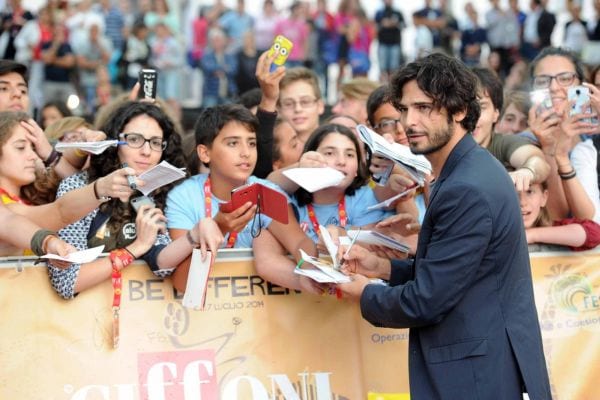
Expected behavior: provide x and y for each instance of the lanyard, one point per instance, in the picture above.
(343, 217)
(15, 199)
(208, 211)
(125, 257)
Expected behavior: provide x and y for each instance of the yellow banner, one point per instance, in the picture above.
(253, 341)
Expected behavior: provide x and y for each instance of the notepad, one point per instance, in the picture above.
(197, 281)
(78, 257)
(313, 179)
(90, 147)
(159, 175)
(416, 165)
(327, 267)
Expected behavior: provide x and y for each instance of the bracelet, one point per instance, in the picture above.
(80, 154)
(569, 175)
(98, 197)
(37, 241)
(122, 255)
(53, 158)
(191, 240)
(129, 251)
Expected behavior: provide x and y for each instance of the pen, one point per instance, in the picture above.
(130, 178)
(121, 142)
(351, 244)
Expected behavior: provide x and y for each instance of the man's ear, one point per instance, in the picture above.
(203, 153)
(459, 116)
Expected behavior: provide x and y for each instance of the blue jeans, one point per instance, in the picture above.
(390, 57)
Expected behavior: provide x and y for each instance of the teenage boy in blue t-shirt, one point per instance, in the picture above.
(226, 143)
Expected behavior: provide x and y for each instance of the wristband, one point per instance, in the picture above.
(37, 241)
(80, 154)
(122, 255)
(53, 158)
(569, 175)
(191, 240)
(98, 197)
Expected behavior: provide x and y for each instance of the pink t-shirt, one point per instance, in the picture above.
(297, 31)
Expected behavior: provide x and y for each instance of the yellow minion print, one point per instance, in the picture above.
(284, 46)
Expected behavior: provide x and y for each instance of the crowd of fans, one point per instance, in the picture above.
(259, 120)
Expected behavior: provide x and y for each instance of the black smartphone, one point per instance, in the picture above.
(147, 78)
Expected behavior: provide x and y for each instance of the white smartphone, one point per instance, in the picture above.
(138, 202)
(541, 99)
(580, 95)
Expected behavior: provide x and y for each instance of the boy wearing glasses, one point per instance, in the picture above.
(226, 143)
(300, 101)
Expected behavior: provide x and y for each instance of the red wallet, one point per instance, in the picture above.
(270, 202)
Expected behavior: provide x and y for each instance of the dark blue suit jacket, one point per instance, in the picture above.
(468, 295)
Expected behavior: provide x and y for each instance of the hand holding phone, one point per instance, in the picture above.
(283, 46)
(140, 201)
(541, 99)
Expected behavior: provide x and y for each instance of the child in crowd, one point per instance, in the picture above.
(18, 174)
(300, 101)
(344, 205)
(513, 119)
(150, 138)
(577, 234)
(287, 149)
(353, 98)
(226, 143)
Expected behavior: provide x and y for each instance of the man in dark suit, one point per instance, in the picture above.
(467, 296)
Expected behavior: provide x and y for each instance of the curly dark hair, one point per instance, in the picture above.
(447, 81)
(107, 162)
(559, 52)
(304, 197)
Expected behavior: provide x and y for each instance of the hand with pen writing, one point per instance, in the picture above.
(361, 264)
(117, 184)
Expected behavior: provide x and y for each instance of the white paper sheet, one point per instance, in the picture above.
(90, 147)
(79, 257)
(388, 202)
(377, 239)
(195, 288)
(160, 175)
(313, 179)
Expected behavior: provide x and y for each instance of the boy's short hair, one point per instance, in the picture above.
(489, 83)
(251, 98)
(301, 74)
(519, 98)
(213, 119)
(358, 88)
(8, 66)
(376, 99)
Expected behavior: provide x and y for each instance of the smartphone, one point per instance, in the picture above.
(147, 78)
(580, 95)
(541, 99)
(240, 196)
(284, 46)
(138, 202)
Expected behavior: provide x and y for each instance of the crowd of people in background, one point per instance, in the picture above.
(89, 52)
(257, 120)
